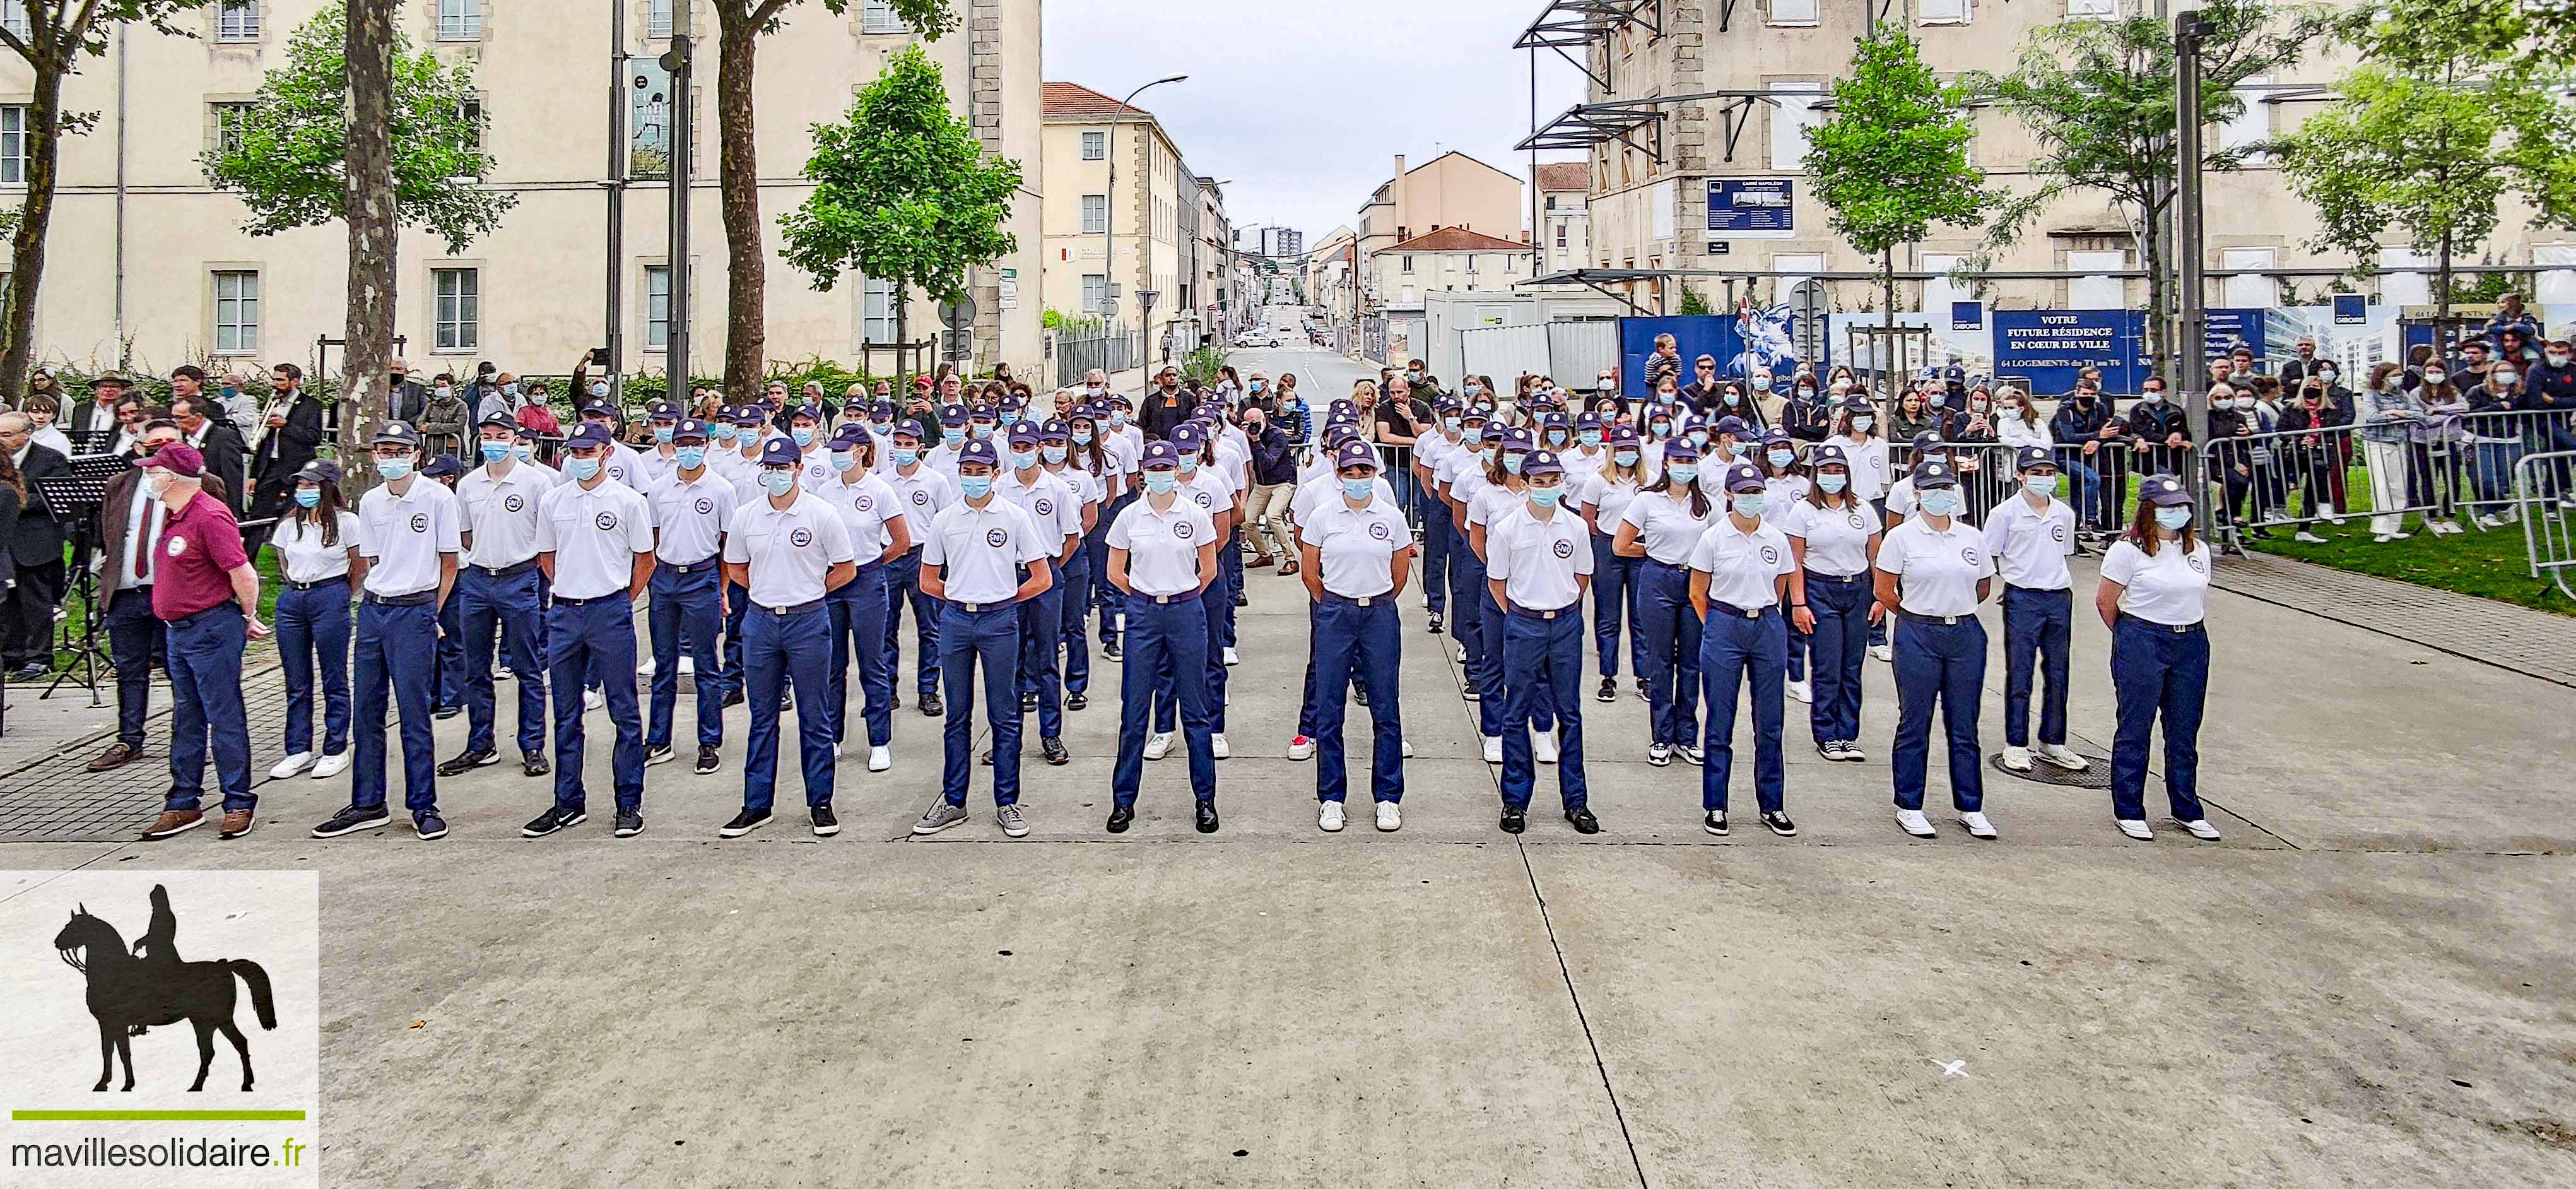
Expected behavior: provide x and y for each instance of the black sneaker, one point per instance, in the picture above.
(1609, 690)
(1120, 817)
(352, 820)
(1076, 700)
(743, 823)
(469, 761)
(1780, 824)
(1715, 822)
(1054, 749)
(1584, 822)
(930, 707)
(1515, 820)
(657, 755)
(1241, 600)
(446, 712)
(708, 760)
(533, 763)
(629, 823)
(555, 820)
(1207, 817)
(1359, 694)
(1028, 703)
(428, 825)
(732, 698)
(1435, 623)
(1109, 648)
(1472, 694)
(825, 824)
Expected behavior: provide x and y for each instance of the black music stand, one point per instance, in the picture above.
(90, 441)
(76, 497)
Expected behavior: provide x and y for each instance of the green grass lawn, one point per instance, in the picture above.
(2493, 564)
(270, 582)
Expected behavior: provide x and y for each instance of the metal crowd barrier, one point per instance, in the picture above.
(2451, 467)
(2548, 529)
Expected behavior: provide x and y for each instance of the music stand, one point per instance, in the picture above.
(79, 495)
(90, 441)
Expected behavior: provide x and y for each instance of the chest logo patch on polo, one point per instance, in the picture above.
(2057, 533)
(420, 522)
(1046, 507)
(2193, 560)
(866, 503)
(1564, 548)
(997, 538)
(607, 522)
(1970, 556)
(920, 498)
(514, 503)
(1770, 555)
(1378, 530)
(705, 506)
(801, 538)
(178, 545)
(1183, 530)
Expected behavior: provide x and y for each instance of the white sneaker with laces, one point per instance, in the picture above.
(1977, 825)
(1217, 746)
(291, 765)
(2136, 829)
(2489, 522)
(2062, 756)
(1462, 654)
(1802, 691)
(2017, 759)
(644, 667)
(1690, 754)
(1852, 754)
(2309, 537)
(1543, 746)
(1913, 822)
(688, 665)
(1881, 652)
(330, 766)
(1301, 748)
(2382, 538)
(1232, 657)
(1493, 749)
(2199, 829)
(1158, 745)
(593, 699)
(2397, 536)
(1329, 819)
(880, 758)
(1389, 818)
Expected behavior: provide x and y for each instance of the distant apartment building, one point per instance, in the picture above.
(1565, 231)
(1445, 260)
(1453, 191)
(1113, 173)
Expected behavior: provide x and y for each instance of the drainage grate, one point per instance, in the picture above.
(2096, 774)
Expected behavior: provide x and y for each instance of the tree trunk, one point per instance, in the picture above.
(902, 350)
(1887, 315)
(2160, 349)
(2442, 302)
(373, 229)
(27, 247)
(737, 164)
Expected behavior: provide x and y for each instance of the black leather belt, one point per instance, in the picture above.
(971, 608)
(700, 566)
(192, 617)
(509, 571)
(1732, 611)
(2179, 629)
(561, 601)
(1934, 620)
(1362, 601)
(341, 580)
(1559, 613)
(1169, 599)
(798, 609)
(1813, 576)
(415, 599)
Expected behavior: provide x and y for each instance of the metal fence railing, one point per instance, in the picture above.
(1112, 352)
(2541, 490)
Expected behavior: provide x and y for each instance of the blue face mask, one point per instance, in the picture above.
(906, 457)
(953, 437)
(1512, 463)
(393, 468)
(1589, 437)
(1022, 460)
(1659, 429)
(777, 482)
(495, 451)
(1781, 458)
(976, 487)
(662, 433)
(804, 435)
(1832, 484)
(1161, 482)
(1940, 503)
(1625, 458)
(1493, 454)
(979, 429)
(2173, 519)
(1082, 437)
(1257, 386)
(524, 453)
(720, 432)
(1683, 472)
(844, 460)
(308, 497)
(1359, 489)
(1749, 505)
(583, 470)
(1054, 455)
(1118, 420)
(692, 457)
(1698, 437)
(1452, 423)
(1189, 463)
(599, 390)
(1009, 417)
(1555, 438)
(880, 428)
(1546, 497)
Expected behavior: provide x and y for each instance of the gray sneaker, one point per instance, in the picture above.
(940, 816)
(1012, 823)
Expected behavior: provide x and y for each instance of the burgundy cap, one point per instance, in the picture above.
(178, 458)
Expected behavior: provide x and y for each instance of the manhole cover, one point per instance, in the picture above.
(2096, 773)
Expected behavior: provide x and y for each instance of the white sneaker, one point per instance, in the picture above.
(1977, 825)
(503, 673)
(1232, 657)
(2309, 537)
(1802, 691)
(1690, 754)
(2448, 529)
(1389, 818)
(1158, 745)
(1329, 820)
(330, 766)
(644, 668)
(1408, 747)
(1493, 749)
(2199, 829)
(2017, 759)
(880, 758)
(1462, 654)
(1543, 746)
(1913, 822)
(1881, 652)
(2396, 536)
(1301, 748)
(291, 765)
(2489, 522)
(2062, 756)
(592, 699)
(2136, 829)
(2382, 538)
(2334, 515)
(1217, 747)
(836, 751)
(1659, 754)
(688, 665)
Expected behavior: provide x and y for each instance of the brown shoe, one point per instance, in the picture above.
(117, 755)
(174, 822)
(236, 823)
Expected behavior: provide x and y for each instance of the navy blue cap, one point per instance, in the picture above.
(911, 427)
(1859, 405)
(2033, 456)
(1009, 404)
(1621, 435)
(1159, 456)
(691, 430)
(445, 466)
(1355, 454)
(807, 412)
(1024, 433)
(1926, 438)
(1829, 454)
(320, 470)
(600, 407)
(884, 409)
(980, 450)
(850, 436)
(952, 414)
(1518, 438)
(777, 452)
(1588, 421)
(1541, 462)
(1494, 432)
(588, 435)
(1743, 477)
(1186, 436)
(1730, 425)
(1054, 430)
(499, 418)
(1778, 437)
(982, 412)
(663, 410)
(2165, 491)
(397, 433)
(1928, 475)
(1680, 450)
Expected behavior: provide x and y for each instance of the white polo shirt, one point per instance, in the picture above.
(1491, 502)
(1087, 488)
(1666, 525)
(984, 548)
(1608, 494)
(302, 557)
(401, 536)
(789, 552)
(943, 459)
(1209, 490)
(501, 513)
(2170, 588)
(1868, 459)
(1538, 561)
(1940, 571)
(658, 466)
(1050, 503)
(922, 494)
(2032, 545)
(1837, 538)
(1579, 465)
(1162, 547)
(594, 534)
(815, 468)
(691, 517)
(1359, 545)
(625, 466)
(1900, 498)
(865, 507)
(1312, 496)
(1743, 568)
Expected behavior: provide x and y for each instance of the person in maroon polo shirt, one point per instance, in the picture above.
(205, 591)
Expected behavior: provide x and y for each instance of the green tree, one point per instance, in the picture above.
(739, 27)
(59, 33)
(2100, 98)
(1892, 158)
(902, 190)
(2444, 112)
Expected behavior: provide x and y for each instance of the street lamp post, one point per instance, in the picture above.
(1109, 287)
(675, 356)
(2192, 312)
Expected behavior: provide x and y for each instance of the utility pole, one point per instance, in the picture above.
(1109, 286)
(619, 78)
(675, 354)
(2192, 322)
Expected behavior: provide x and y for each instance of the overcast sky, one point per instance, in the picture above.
(1305, 104)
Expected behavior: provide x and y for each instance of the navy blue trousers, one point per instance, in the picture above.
(858, 632)
(1073, 621)
(205, 663)
(1439, 537)
(390, 644)
(1104, 596)
(1040, 671)
(313, 633)
(511, 608)
(903, 586)
(2157, 671)
(1944, 665)
(1347, 635)
(134, 636)
(737, 601)
(989, 639)
(1229, 571)
(451, 654)
(1219, 611)
(1467, 599)
(1615, 586)
(1736, 653)
(1672, 631)
(593, 640)
(1840, 642)
(1544, 658)
(1163, 639)
(780, 651)
(2039, 630)
(685, 608)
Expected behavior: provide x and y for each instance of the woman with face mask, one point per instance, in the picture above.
(2030, 536)
(1660, 527)
(1504, 489)
(1784, 484)
(2433, 449)
(1935, 569)
(1742, 572)
(1864, 444)
(1603, 497)
(2153, 594)
(2316, 454)
(316, 540)
(1805, 416)
(2385, 412)
(1461, 474)
(1834, 534)
(1359, 555)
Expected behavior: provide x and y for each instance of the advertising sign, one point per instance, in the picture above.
(1753, 208)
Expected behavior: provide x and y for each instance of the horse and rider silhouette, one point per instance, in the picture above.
(150, 987)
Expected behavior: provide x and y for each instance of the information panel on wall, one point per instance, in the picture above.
(2051, 346)
(1753, 208)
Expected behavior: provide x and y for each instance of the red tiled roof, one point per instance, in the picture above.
(1074, 99)
(1564, 175)
(1457, 239)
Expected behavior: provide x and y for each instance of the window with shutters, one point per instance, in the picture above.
(235, 20)
(1095, 146)
(876, 312)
